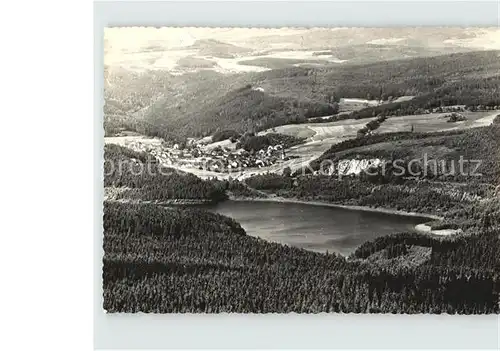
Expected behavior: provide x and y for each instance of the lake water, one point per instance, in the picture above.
(317, 228)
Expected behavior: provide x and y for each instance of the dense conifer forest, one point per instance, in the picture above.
(170, 260)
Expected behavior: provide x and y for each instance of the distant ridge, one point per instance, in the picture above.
(212, 47)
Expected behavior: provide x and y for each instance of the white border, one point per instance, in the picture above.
(142, 331)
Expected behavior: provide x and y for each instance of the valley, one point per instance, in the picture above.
(319, 138)
(285, 170)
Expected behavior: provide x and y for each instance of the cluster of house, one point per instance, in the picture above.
(162, 154)
(225, 160)
(218, 159)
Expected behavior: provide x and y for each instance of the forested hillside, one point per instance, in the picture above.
(171, 260)
(130, 96)
(469, 79)
(243, 109)
(384, 79)
(258, 142)
(478, 147)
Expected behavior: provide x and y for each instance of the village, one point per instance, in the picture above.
(220, 159)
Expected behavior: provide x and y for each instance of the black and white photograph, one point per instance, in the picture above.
(301, 170)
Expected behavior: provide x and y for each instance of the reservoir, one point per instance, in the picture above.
(316, 228)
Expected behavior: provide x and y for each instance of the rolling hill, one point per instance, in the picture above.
(242, 110)
(198, 104)
(216, 48)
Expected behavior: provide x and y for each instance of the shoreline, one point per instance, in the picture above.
(334, 205)
(420, 228)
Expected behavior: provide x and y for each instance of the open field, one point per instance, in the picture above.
(296, 130)
(323, 135)
(435, 122)
(223, 143)
(352, 104)
(340, 130)
(319, 131)
(124, 140)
